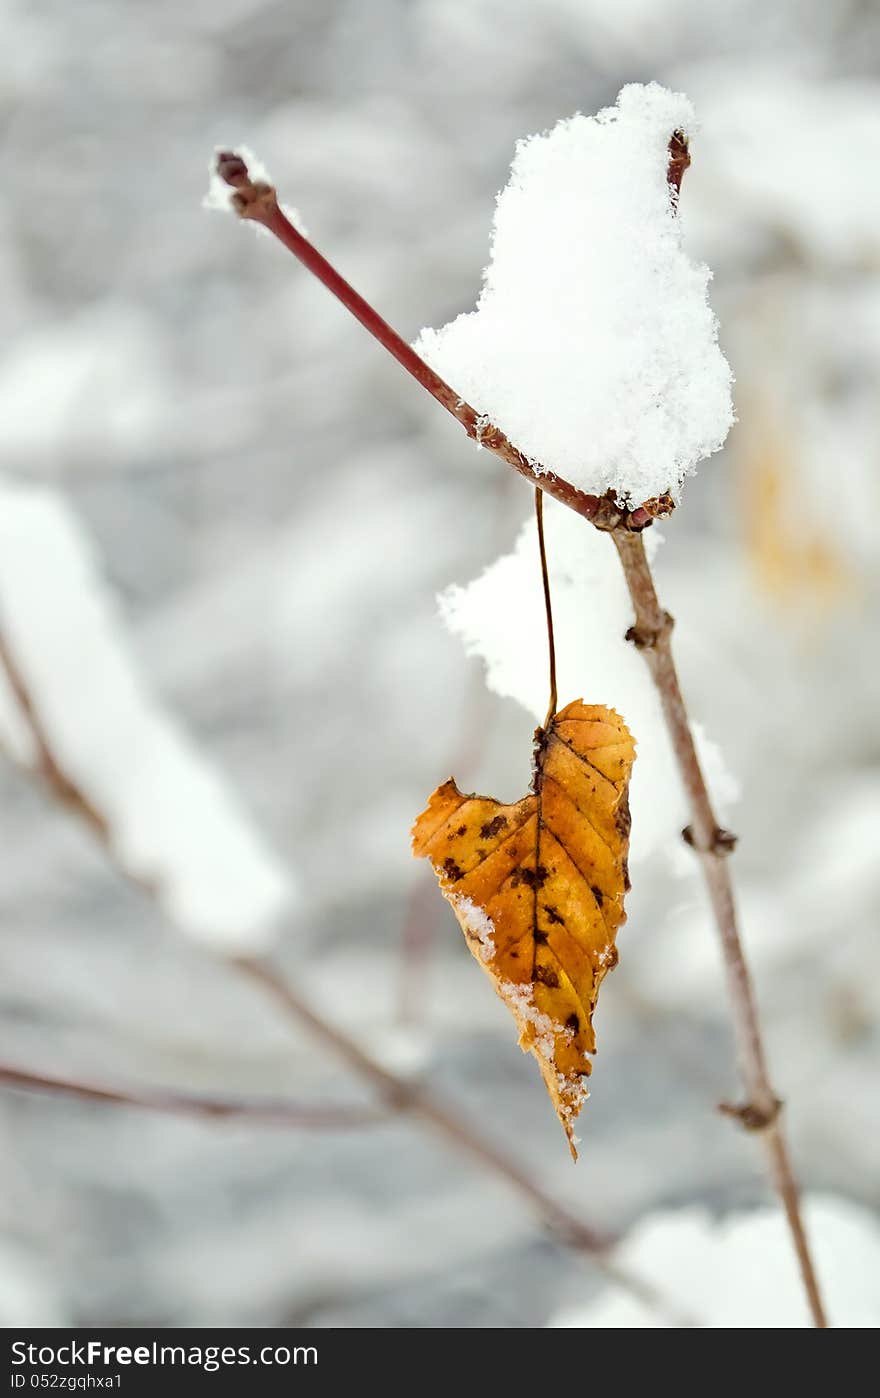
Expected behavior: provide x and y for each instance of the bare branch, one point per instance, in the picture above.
(651, 634)
(412, 1098)
(268, 1112)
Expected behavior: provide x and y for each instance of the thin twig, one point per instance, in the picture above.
(651, 634)
(412, 1098)
(548, 607)
(396, 1092)
(63, 789)
(258, 201)
(269, 1112)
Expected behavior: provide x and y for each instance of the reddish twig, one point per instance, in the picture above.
(269, 1112)
(257, 201)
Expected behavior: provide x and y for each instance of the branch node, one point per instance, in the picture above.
(658, 507)
(252, 199)
(722, 842)
(649, 637)
(679, 160)
(750, 1116)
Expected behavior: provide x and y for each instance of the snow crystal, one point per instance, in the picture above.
(500, 617)
(478, 922)
(741, 1272)
(522, 998)
(576, 1090)
(174, 823)
(593, 345)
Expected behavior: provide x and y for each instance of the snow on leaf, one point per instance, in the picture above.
(538, 887)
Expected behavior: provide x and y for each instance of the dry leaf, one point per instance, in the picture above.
(538, 887)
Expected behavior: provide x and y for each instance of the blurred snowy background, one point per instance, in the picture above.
(273, 507)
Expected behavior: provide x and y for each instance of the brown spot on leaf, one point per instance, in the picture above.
(452, 870)
(553, 915)
(532, 878)
(547, 976)
(493, 826)
(573, 1023)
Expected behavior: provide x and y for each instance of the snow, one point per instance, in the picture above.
(770, 163)
(173, 822)
(404, 1049)
(500, 617)
(476, 921)
(593, 344)
(740, 1271)
(28, 1291)
(522, 999)
(91, 383)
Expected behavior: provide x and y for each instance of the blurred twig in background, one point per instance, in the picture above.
(398, 1094)
(268, 1112)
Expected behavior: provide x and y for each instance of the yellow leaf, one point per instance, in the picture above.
(538, 887)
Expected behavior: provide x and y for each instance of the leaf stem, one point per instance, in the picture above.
(548, 607)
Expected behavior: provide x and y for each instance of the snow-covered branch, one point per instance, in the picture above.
(594, 344)
(74, 709)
